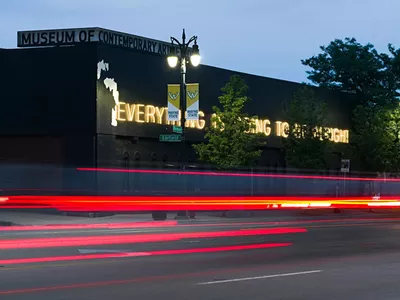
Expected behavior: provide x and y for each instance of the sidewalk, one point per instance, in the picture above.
(32, 218)
(15, 218)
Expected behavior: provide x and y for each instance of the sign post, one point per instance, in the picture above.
(345, 168)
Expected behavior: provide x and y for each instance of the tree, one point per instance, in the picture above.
(376, 136)
(308, 134)
(374, 79)
(229, 143)
(349, 66)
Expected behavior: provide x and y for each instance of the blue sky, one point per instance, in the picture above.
(264, 37)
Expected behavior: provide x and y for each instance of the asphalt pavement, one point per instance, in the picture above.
(354, 258)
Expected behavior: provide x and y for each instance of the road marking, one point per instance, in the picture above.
(259, 277)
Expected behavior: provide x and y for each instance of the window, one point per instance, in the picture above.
(153, 156)
(137, 156)
(125, 158)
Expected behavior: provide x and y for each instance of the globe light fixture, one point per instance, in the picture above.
(172, 57)
(195, 58)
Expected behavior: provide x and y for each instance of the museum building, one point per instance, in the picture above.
(91, 97)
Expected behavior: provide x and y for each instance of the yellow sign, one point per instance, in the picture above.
(174, 101)
(192, 101)
(140, 113)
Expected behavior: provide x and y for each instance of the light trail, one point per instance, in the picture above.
(137, 254)
(156, 224)
(228, 174)
(31, 243)
(200, 203)
(124, 225)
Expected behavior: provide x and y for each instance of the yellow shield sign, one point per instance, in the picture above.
(174, 100)
(192, 101)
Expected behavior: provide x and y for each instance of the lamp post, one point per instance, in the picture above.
(182, 57)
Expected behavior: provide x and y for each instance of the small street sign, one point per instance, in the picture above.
(177, 129)
(345, 166)
(170, 138)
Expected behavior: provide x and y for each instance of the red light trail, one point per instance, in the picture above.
(199, 203)
(92, 226)
(139, 238)
(137, 254)
(228, 174)
(157, 224)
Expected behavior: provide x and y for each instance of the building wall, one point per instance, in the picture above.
(19, 157)
(50, 92)
(54, 92)
(142, 79)
(47, 119)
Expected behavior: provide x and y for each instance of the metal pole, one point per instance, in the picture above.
(183, 111)
(183, 117)
(344, 184)
(183, 97)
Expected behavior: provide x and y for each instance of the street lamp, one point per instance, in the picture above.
(195, 57)
(182, 57)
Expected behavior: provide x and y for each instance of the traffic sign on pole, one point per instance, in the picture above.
(345, 166)
(170, 138)
(177, 129)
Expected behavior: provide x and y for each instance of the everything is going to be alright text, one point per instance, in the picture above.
(142, 113)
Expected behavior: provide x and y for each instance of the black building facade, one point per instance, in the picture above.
(95, 103)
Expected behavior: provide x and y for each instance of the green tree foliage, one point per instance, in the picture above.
(349, 66)
(228, 143)
(308, 135)
(376, 137)
(374, 79)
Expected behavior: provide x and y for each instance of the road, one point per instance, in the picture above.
(340, 259)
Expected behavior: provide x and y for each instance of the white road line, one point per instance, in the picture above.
(259, 277)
